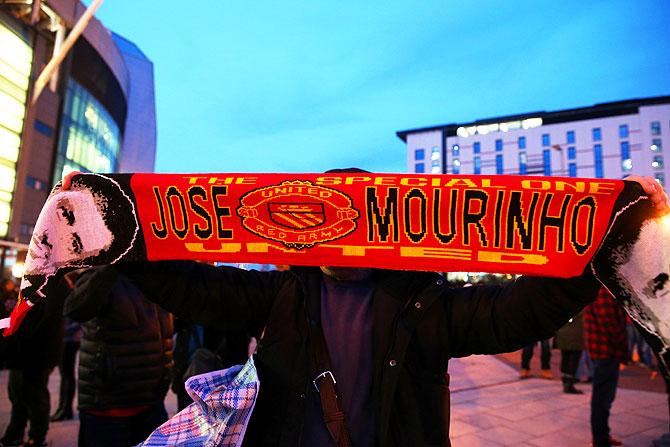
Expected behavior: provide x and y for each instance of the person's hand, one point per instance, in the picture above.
(654, 190)
(66, 182)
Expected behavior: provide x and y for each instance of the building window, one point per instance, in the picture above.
(626, 161)
(499, 145)
(456, 150)
(478, 165)
(660, 178)
(546, 141)
(522, 142)
(37, 184)
(570, 137)
(44, 128)
(597, 134)
(657, 162)
(523, 163)
(419, 154)
(477, 147)
(456, 166)
(572, 153)
(623, 131)
(419, 168)
(499, 164)
(598, 159)
(546, 161)
(435, 153)
(572, 169)
(655, 128)
(656, 145)
(436, 170)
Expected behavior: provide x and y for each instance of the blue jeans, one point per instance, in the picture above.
(545, 356)
(605, 379)
(105, 431)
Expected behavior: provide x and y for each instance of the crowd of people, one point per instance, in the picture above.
(346, 356)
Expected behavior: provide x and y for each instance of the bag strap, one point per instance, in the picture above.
(324, 380)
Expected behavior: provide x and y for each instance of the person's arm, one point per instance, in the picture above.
(489, 320)
(222, 297)
(90, 293)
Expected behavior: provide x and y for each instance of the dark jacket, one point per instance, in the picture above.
(571, 336)
(125, 359)
(419, 323)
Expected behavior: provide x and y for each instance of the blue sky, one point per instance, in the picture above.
(297, 86)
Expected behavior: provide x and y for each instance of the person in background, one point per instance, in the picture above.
(31, 354)
(545, 359)
(68, 383)
(605, 335)
(125, 360)
(570, 340)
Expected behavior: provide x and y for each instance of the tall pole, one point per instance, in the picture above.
(59, 56)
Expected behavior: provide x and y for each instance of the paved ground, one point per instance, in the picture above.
(491, 407)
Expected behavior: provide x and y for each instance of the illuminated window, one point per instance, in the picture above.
(546, 140)
(456, 166)
(572, 169)
(455, 150)
(419, 168)
(89, 136)
(478, 165)
(419, 154)
(435, 153)
(477, 147)
(596, 133)
(499, 164)
(660, 178)
(598, 159)
(572, 153)
(522, 142)
(16, 55)
(436, 170)
(546, 161)
(523, 163)
(623, 131)
(655, 128)
(570, 137)
(499, 145)
(625, 149)
(657, 162)
(656, 145)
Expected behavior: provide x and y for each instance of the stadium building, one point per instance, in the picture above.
(96, 115)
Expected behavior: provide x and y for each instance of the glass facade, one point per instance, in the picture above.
(89, 137)
(16, 55)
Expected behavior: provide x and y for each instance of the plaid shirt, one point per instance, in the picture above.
(605, 328)
(222, 404)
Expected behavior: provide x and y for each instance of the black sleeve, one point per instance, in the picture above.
(489, 320)
(224, 297)
(90, 293)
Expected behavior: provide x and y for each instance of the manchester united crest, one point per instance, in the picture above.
(298, 213)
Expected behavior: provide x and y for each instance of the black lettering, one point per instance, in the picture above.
(390, 217)
(161, 232)
(474, 218)
(498, 219)
(591, 204)
(514, 217)
(174, 192)
(445, 238)
(221, 211)
(199, 191)
(415, 194)
(553, 221)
